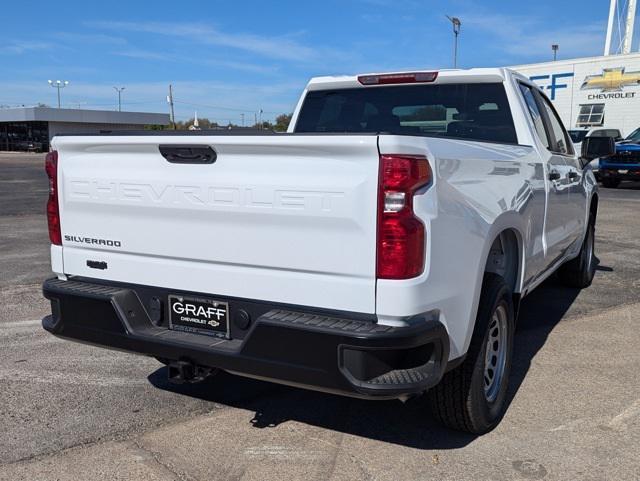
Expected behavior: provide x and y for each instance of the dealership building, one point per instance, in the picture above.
(595, 92)
(32, 128)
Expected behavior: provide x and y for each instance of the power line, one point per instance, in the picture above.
(217, 107)
(89, 104)
(158, 102)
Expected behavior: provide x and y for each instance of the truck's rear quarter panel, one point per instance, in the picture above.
(479, 189)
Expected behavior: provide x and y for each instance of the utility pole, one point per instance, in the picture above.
(58, 84)
(119, 90)
(260, 119)
(170, 100)
(456, 23)
(255, 118)
(555, 48)
(242, 117)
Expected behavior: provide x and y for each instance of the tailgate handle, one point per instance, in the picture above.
(188, 154)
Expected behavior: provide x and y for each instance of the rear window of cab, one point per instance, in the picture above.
(474, 111)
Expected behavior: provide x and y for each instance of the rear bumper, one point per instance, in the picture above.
(328, 352)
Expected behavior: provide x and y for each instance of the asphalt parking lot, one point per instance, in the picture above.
(70, 411)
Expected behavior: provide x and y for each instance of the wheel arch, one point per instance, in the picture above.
(505, 257)
(593, 205)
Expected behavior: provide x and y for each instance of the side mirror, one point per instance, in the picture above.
(597, 147)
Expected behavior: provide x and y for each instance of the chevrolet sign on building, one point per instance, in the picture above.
(592, 92)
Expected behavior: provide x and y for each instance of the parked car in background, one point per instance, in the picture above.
(29, 146)
(379, 249)
(577, 136)
(625, 164)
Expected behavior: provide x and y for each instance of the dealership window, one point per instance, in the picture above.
(27, 136)
(591, 115)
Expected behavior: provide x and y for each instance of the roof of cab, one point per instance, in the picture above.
(474, 75)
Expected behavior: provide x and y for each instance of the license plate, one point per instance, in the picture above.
(623, 171)
(202, 316)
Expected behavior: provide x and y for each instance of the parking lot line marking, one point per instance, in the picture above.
(30, 322)
(69, 378)
(621, 421)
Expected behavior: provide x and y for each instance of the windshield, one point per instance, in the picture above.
(464, 111)
(577, 136)
(635, 136)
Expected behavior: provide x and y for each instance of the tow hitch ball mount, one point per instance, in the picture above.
(183, 372)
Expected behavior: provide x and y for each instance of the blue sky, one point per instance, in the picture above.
(233, 57)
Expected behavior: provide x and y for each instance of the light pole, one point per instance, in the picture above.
(59, 84)
(119, 90)
(456, 23)
(555, 48)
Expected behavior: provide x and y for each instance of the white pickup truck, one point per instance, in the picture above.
(378, 249)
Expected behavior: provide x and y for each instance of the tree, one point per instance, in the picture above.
(265, 125)
(204, 123)
(426, 113)
(282, 122)
(157, 127)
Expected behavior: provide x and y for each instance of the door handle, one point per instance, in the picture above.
(188, 154)
(554, 175)
(573, 175)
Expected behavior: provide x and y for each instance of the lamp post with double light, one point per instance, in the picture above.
(58, 84)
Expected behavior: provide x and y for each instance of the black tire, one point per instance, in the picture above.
(579, 272)
(460, 400)
(610, 183)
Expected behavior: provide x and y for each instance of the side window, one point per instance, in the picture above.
(530, 100)
(561, 143)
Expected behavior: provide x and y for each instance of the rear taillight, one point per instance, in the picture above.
(401, 244)
(53, 211)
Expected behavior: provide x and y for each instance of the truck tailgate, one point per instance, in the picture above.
(282, 218)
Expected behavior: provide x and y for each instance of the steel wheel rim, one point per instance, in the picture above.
(495, 353)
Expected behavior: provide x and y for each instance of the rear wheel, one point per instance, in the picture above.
(611, 183)
(472, 397)
(579, 272)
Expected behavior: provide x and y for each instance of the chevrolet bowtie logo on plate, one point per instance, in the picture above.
(611, 80)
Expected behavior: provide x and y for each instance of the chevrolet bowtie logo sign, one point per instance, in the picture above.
(611, 80)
